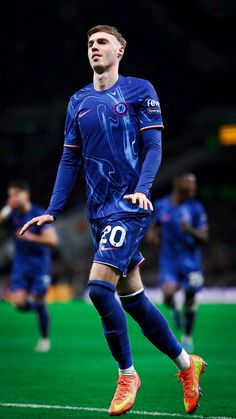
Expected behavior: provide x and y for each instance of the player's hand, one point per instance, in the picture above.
(37, 221)
(140, 199)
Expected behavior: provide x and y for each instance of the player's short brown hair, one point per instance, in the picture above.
(108, 29)
(19, 184)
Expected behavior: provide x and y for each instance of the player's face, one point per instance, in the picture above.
(188, 186)
(17, 198)
(104, 51)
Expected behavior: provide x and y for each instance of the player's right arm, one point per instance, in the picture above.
(66, 175)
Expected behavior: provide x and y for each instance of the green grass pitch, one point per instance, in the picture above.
(79, 371)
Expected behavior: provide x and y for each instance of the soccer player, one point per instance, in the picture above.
(180, 221)
(31, 269)
(113, 126)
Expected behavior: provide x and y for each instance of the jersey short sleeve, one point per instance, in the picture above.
(71, 134)
(149, 115)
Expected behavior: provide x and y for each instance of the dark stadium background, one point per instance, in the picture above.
(186, 49)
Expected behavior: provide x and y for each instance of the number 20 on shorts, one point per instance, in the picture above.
(115, 235)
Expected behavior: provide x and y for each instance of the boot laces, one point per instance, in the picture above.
(187, 380)
(123, 386)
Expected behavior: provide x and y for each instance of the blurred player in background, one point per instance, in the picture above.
(31, 269)
(113, 126)
(180, 224)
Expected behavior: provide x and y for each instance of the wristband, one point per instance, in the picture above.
(6, 211)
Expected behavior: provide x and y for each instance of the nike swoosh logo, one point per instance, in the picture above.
(121, 405)
(84, 113)
(108, 248)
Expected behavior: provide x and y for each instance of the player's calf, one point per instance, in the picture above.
(152, 323)
(113, 320)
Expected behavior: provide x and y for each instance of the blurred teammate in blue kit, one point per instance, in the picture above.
(31, 268)
(113, 127)
(180, 222)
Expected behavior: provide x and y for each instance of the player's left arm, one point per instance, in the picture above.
(150, 125)
(47, 237)
(152, 151)
(200, 233)
(200, 229)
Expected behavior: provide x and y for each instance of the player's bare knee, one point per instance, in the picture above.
(104, 273)
(168, 292)
(18, 300)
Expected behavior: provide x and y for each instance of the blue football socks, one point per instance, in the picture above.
(43, 318)
(42, 313)
(189, 320)
(113, 319)
(153, 324)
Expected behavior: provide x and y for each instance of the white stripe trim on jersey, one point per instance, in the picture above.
(151, 126)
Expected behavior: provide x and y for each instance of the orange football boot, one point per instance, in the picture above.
(124, 397)
(190, 379)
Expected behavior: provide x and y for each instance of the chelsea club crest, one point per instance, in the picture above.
(120, 108)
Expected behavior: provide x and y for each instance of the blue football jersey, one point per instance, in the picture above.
(176, 244)
(29, 258)
(107, 126)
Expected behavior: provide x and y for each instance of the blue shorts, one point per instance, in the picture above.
(117, 239)
(189, 278)
(36, 284)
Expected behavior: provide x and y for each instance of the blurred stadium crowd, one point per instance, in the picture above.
(186, 50)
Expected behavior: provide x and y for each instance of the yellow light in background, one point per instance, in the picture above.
(227, 134)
